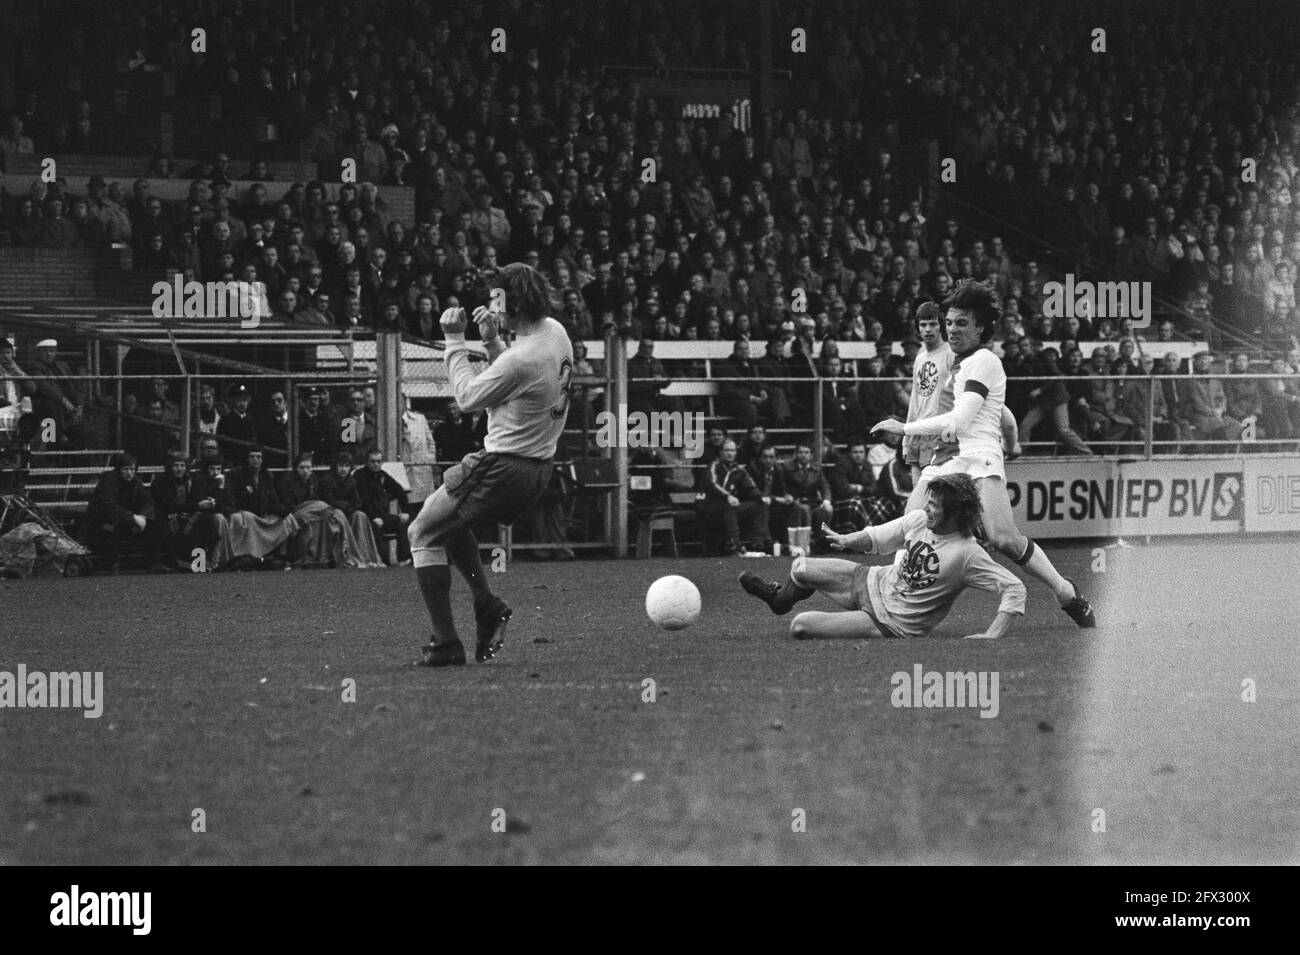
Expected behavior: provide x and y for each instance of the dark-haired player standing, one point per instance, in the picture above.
(979, 386)
(525, 391)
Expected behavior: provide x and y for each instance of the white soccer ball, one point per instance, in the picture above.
(673, 603)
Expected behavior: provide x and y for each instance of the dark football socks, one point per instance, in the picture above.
(462, 551)
(790, 594)
(435, 587)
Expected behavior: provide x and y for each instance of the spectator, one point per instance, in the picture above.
(755, 443)
(121, 514)
(207, 417)
(358, 429)
(378, 492)
(740, 400)
(842, 414)
(1105, 421)
(853, 478)
(1206, 406)
(770, 479)
(318, 433)
(151, 440)
(1244, 395)
(1049, 400)
(1279, 415)
(16, 388)
(13, 142)
(273, 431)
(812, 494)
(236, 428)
(60, 398)
(731, 509)
(184, 526)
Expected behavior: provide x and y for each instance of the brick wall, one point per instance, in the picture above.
(47, 273)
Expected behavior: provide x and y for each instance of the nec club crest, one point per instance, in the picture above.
(929, 379)
(920, 565)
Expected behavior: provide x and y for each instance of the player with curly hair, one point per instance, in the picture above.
(936, 557)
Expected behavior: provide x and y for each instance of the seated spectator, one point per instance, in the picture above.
(806, 481)
(150, 439)
(875, 392)
(1243, 394)
(1279, 415)
(253, 488)
(1049, 400)
(316, 312)
(1105, 421)
(771, 369)
(770, 479)
(1134, 398)
(1206, 406)
(378, 491)
(327, 535)
(121, 514)
(740, 400)
(184, 526)
(59, 396)
(843, 416)
(752, 448)
(209, 496)
(731, 507)
(852, 477)
(338, 488)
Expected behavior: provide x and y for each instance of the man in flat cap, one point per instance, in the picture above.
(60, 398)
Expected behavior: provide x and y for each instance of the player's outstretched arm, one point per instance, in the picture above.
(1000, 625)
(983, 573)
(882, 539)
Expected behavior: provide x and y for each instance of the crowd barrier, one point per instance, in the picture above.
(1215, 495)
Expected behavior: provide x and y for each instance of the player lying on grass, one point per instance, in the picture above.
(525, 391)
(979, 387)
(936, 557)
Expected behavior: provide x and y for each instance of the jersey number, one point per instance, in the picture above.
(566, 372)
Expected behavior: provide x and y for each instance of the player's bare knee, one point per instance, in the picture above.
(1006, 542)
(801, 627)
(799, 570)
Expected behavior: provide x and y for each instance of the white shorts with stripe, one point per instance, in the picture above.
(977, 464)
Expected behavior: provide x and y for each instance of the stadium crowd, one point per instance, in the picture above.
(1123, 165)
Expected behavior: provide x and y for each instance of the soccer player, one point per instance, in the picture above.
(936, 557)
(976, 421)
(932, 395)
(929, 372)
(524, 388)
